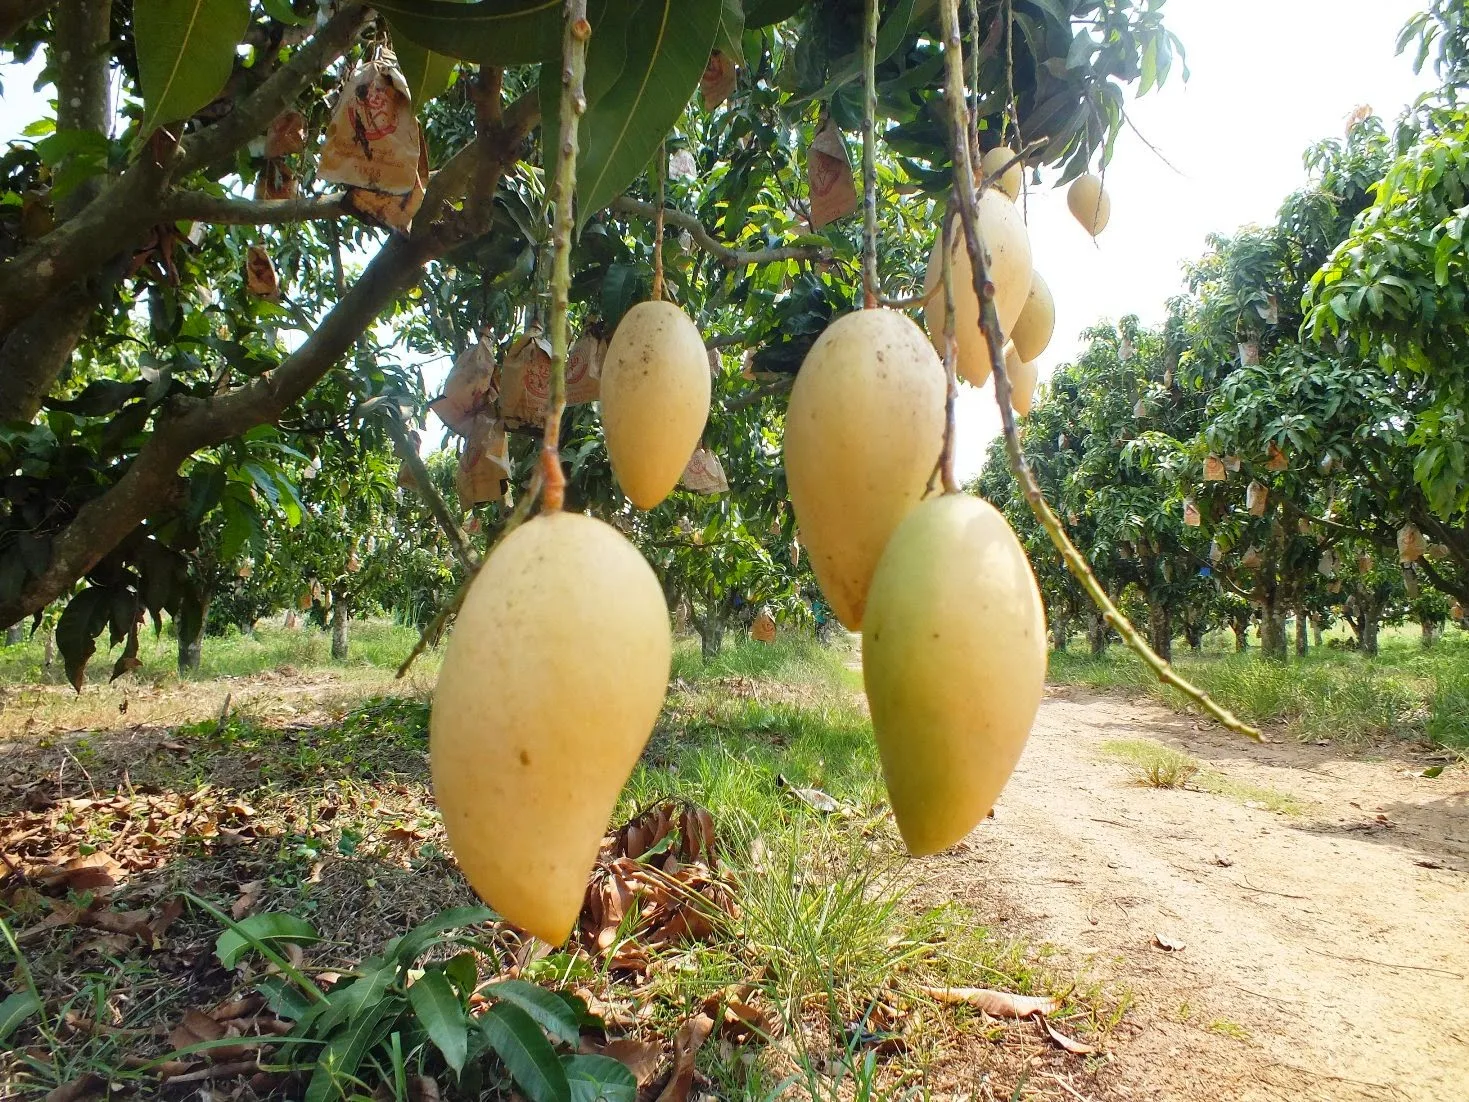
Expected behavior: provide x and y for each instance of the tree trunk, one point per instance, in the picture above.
(15, 634)
(1240, 625)
(711, 635)
(339, 626)
(1193, 631)
(49, 658)
(1160, 630)
(1060, 633)
(191, 651)
(1272, 631)
(1097, 635)
(1367, 634)
(1316, 631)
(1430, 631)
(1301, 637)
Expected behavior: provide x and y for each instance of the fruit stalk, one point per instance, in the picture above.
(573, 106)
(945, 468)
(965, 195)
(658, 225)
(871, 291)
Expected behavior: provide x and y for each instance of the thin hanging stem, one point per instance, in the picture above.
(871, 289)
(573, 106)
(658, 225)
(974, 80)
(990, 325)
(951, 377)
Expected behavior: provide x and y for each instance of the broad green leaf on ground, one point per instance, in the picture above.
(272, 928)
(549, 1011)
(16, 1009)
(526, 1053)
(667, 51)
(599, 1079)
(406, 949)
(491, 32)
(342, 1056)
(186, 49)
(441, 1013)
(427, 73)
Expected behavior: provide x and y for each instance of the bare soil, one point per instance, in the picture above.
(1325, 954)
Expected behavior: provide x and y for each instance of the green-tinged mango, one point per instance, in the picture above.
(655, 399)
(1036, 324)
(863, 432)
(1023, 375)
(954, 661)
(550, 686)
(1011, 179)
(1090, 204)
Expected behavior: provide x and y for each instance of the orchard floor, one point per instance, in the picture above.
(1321, 902)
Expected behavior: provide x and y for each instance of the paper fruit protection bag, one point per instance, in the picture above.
(525, 380)
(373, 140)
(833, 191)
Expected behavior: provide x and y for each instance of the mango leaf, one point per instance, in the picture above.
(441, 1013)
(428, 74)
(342, 1056)
(76, 632)
(549, 1011)
(729, 40)
(15, 1010)
(186, 49)
(492, 32)
(599, 1079)
(406, 949)
(762, 13)
(270, 928)
(526, 1053)
(282, 12)
(666, 54)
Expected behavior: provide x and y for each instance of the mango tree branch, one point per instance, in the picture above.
(407, 452)
(198, 206)
(15, 14)
(725, 254)
(188, 424)
(966, 197)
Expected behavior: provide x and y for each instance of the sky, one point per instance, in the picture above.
(1268, 78)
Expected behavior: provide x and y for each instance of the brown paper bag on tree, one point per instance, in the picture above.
(469, 388)
(1252, 559)
(406, 480)
(829, 174)
(1276, 460)
(1410, 543)
(1327, 564)
(276, 181)
(704, 473)
(260, 277)
(484, 465)
(1191, 513)
(584, 369)
(1365, 563)
(718, 81)
(763, 629)
(1256, 497)
(1457, 612)
(394, 212)
(525, 382)
(373, 140)
(1214, 469)
(285, 135)
(1232, 464)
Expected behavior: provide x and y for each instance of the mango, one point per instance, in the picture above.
(1023, 375)
(549, 690)
(954, 662)
(1036, 324)
(863, 432)
(655, 399)
(1011, 179)
(1090, 204)
(1003, 231)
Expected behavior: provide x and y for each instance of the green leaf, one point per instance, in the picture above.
(342, 1057)
(406, 949)
(441, 1013)
(428, 73)
(665, 56)
(526, 1053)
(349, 1001)
(282, 12)
(762, 13)
(462, 970)
(621, 287)
(549, 1011)
(269, 928)
(15, 1010)
(186, 49)
(491, 32)
(729, 39)
(599, 1079)
(284, 998)
(76, 632)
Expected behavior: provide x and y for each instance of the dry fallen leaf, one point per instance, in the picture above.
(1167, 944)
(997, 1004)
(1070, 1044)
(249, 896)
(195, 1028)
(686, 1044)
(85, 1086)
(639, 1057)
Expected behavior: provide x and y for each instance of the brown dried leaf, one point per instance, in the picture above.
(745, 1018)
(639, 1057)
(195, 1028)
(166, 918)
(85, 1086)
(686, 1044)
(249, 896)
(135, 923)
(1070, 1044)
(997, 1004)
(97, 872)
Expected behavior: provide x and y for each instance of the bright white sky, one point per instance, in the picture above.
(1269, 77)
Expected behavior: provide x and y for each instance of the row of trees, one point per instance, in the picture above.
(1292, 441)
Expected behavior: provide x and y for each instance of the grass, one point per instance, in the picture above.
(332, 819)
(1157, 766)
(1407, 691)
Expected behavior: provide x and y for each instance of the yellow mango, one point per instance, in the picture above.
(863, 433)
(550, 686)
(1023, 375)
(655, 399)
(1003, 231)
(954, 662)
(1090, 204)
(1012, 177)
(1036, 324)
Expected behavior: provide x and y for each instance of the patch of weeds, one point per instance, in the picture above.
(1282, 803)
(1226, 1028)
(1153, 765)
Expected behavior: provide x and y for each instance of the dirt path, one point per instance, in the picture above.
(1326, 953)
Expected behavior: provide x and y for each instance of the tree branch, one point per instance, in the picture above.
(198, 206)
(758, 395)
(81, 32)
(404, 447)
(15, 14)
(725, 254)
(188, 424)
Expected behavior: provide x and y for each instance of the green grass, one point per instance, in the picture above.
(1157, 766)
(1407, 691)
